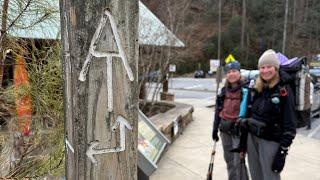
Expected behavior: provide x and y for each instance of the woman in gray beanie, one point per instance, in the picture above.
(225, 119)
(271, 128)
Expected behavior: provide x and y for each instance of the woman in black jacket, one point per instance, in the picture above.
(272, 126)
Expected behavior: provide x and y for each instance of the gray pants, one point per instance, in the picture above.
(260, 156)
(237, 170)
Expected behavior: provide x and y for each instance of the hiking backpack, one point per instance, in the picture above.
(300, 84)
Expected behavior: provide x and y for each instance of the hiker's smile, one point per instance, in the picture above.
(233, 76)
(267, 72)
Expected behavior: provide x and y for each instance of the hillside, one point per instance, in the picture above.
(190, 23)
(195, 22)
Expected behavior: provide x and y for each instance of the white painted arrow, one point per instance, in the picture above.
(108, 55)
(93, 52)
(123, 123)
(68, 145)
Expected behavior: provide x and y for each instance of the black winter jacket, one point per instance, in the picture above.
(280, 117)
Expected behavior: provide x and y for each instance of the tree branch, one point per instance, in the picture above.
(20, 14)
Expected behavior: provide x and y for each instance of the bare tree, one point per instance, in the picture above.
(156, 59)
(285, 28)
(219, 73)
(14, 16)
(243, 22)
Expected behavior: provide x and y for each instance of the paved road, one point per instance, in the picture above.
(208, 84)
(201, 93)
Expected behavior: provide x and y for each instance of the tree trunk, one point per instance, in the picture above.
(285, 28)
(247, 49)
(4, 19)
(311, 37)
(317, 39)
(233, 9)
(243, 22)
(219, 33)
(219, 72)
(294, 25)
(306, 11)
(87, 114)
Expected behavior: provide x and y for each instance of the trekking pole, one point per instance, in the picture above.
(243, 168)
(241, 164)
(210, 169)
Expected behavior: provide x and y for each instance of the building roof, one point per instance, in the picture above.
(151, 30)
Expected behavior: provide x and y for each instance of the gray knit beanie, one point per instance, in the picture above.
(269, 57)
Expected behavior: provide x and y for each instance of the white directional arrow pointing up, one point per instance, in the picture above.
(123, 123)
(94, 53)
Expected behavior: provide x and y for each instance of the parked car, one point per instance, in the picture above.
(314, 72)
(315, 108)
(199, 74)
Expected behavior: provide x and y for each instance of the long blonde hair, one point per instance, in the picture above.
(260, 83)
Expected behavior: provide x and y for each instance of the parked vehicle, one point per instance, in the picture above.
(315, 108)
(314, 72)
(199, 74)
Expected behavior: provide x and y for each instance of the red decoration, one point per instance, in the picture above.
(22, 97)
(283, 92)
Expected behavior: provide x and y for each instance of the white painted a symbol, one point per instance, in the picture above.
(123, 123)
(68, 145)
(108, 55)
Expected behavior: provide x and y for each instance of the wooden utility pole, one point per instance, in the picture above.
(285, 28)
(100, 41)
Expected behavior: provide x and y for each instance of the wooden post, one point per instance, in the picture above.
(88, 114)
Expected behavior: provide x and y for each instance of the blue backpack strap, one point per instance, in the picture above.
(244, 103)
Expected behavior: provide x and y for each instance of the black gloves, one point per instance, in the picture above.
(279, 159)
(215, 136)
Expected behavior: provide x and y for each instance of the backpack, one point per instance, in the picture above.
(249, 75)
(300, 84)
